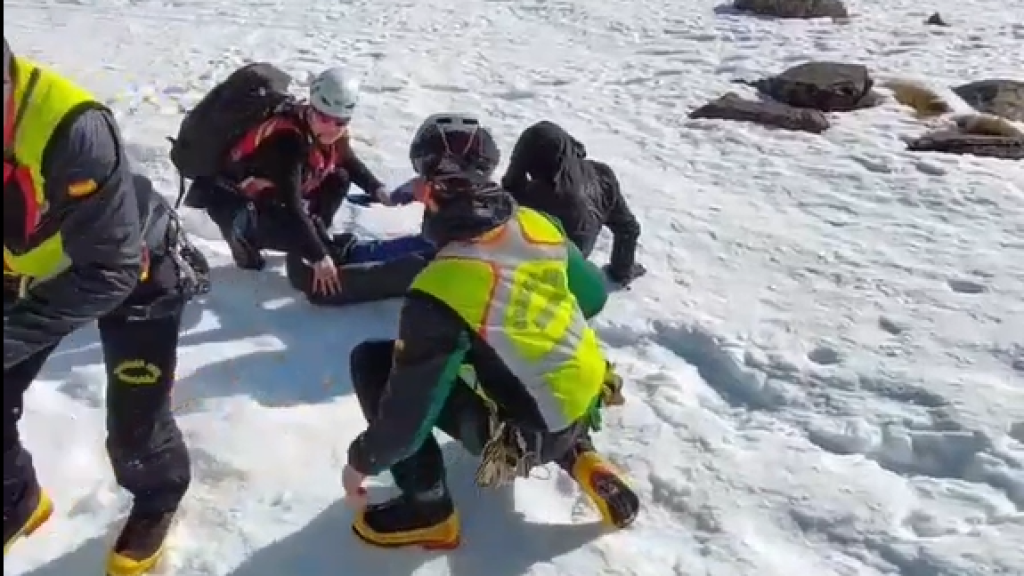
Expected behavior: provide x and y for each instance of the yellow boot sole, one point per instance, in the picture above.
(607, 489)
(39, 517)
(444, 536)
(118, 565)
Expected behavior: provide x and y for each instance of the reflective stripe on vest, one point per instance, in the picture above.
(51, 99)
(512, 288)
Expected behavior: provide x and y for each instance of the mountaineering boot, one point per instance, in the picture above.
(607, 489)
(245, 255)
(427, 520)
(40, 508)
(245, 252)
(140, 545)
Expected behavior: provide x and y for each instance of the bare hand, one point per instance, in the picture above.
(325, 277)
(352, 482)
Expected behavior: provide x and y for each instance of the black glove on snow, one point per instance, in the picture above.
(625, 278)
(363, 199)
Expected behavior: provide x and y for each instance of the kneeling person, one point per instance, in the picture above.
(494, 348)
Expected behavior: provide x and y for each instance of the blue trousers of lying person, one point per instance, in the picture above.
(387, 249)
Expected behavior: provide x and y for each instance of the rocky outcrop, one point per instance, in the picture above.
(773, 114)
(794, 8)
(825, 86)
(985, 146)
(1000, 97)
(976, 135)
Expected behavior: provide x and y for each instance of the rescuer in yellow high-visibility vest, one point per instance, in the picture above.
(494, 348)
(86, 239)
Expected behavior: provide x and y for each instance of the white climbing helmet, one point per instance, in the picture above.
(335, 93)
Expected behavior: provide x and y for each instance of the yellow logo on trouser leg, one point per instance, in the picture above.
(137, 372)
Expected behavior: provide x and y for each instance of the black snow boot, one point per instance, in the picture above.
(427, 520)
(140, 546)
(238, 228)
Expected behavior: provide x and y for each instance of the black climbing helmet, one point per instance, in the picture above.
(451, 144)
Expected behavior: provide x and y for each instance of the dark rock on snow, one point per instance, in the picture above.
(1000, 97)
(774, 114)
(825, 86)
(794, 8)
(936, 20)
(988, 146)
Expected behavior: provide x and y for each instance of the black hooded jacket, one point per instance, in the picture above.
(549, 171)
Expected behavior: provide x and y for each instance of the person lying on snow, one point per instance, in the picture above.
(372, 269)
(494, 348)
(368, 270)
(106, 247)
(549, 171)
(287, 177)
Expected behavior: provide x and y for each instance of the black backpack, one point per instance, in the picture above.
(222, 118)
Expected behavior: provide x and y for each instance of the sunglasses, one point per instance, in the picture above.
(331, 120)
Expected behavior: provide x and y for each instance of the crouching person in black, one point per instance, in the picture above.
(287, 178)
(549, 171)
(473, 360)
(88, 240)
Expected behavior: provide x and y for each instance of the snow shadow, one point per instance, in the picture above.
(294, 353)
(496, 540)
(89, 558)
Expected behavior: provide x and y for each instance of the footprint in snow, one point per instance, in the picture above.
(894, 327)
(1018, 364)
(1017, 431)
(824, 355)
(964, 286)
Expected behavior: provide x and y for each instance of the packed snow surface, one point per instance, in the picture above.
(825, 364)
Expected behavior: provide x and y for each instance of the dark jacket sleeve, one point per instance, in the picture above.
(431, 346)
(571, 211)
(101, 232)
(620, 221)
(515, 178)
(281, 160)
(358, 173)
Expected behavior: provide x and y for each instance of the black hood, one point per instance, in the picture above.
(546, 153)
(468, 206)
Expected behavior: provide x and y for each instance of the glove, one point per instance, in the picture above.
(401, 196)
(363, 199)
(404, 194)
(625, 279)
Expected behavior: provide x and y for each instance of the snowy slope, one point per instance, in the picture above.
(826, 363)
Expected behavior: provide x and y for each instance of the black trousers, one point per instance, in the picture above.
(144, 443)
(464, 417)
(267, 224)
